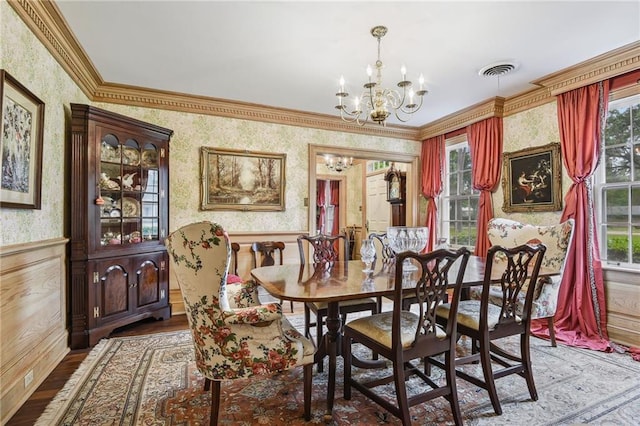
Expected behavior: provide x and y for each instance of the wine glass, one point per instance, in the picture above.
(367, 254)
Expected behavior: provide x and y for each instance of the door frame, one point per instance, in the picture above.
(413, 175)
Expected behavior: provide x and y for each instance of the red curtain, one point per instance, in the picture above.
(581, 316)
(432, 166)
(320, 200)
(485, 145)
(334, 186)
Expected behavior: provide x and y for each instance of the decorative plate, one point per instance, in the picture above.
(109, 153)
(130, 156)
(149, 158)
(130, 207)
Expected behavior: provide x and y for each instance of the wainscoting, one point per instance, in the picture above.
(32, 318)
(623, 306)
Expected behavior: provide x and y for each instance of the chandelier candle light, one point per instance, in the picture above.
(375, 102)
(342, 163)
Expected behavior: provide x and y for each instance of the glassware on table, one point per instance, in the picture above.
(404, 238)
(367, 254)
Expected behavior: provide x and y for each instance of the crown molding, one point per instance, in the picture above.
(490, 108)
(602, 67)
(46, 22)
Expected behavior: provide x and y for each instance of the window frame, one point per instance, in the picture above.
(600, 203)
(444, 220)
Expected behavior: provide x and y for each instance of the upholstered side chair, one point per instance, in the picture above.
(557, 238)
(231, 343)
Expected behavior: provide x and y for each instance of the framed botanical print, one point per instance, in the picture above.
(21, 127)
(531, 180)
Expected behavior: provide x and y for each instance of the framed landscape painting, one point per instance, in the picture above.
(531, 180)
(241, 180)
(21, 127)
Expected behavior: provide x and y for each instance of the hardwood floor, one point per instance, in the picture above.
(35, 405)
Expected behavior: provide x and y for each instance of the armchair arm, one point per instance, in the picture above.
(253, 315)
(242, 294)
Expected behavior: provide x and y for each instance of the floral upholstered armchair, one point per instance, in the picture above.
(557, 239)
(231, 343)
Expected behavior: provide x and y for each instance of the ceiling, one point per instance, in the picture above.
(292, 54)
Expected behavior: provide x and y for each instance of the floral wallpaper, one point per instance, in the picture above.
(29, 62)
(531, 128)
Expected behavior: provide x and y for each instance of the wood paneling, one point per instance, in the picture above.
(623, 306)
(32, 318)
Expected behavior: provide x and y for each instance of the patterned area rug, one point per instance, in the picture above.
(152, 380)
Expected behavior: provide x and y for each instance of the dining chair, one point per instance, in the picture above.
(406, 337)
(323, 250)
(486, 323)
(268, 251)
(240, 293)
(557, 238)
(231, 343)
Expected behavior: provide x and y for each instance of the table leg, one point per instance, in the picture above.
(332, 346)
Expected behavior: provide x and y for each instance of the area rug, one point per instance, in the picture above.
(152, 380)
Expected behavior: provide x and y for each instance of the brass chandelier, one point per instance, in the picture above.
(339, 165)
(377, 102)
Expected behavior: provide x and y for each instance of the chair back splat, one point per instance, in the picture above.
(228, 340)
(406, 337)
(267, 252)
(324, 248)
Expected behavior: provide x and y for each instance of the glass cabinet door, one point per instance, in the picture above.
(128, 182)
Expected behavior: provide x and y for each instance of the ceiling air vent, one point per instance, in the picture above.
(498, 69)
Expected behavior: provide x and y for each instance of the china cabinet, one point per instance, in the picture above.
(119, 217)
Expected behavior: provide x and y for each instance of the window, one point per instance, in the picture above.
(618, 184)
(459, 201)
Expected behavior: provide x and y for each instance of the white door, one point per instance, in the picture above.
(378, 208)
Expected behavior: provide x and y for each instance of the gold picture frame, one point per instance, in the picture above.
(21, 136)
(532, 179)
(241, 180)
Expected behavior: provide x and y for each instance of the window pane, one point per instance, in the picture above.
(617, 203)
(636, 159)
(635, 205)
(617, 244)
(453, 161)
(635, 244)
(618, 164)
(453, 184)
(618, 127)
(467, 158)
(466, 183)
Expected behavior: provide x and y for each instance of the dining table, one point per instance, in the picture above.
(339, 281)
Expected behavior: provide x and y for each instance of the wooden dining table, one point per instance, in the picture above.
(341, 281)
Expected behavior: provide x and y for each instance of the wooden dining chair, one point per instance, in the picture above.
(487, 323)
(323, 250)
(268, 252)
(406, 337)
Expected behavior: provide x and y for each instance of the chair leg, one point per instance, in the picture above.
(346, 356)
(207, 384)
(308, 382)
(319, 322)
(401, 392)
(525, 353)
(291, 302)
(307, 321)
(450, 367)
(485, 360)
(215, 402)
(552, 331)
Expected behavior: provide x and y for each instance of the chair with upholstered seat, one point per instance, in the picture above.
(240, 293)
(231, 343)
(325, 249)
(268, 251)
(404, 337)
(487, 323)
(557, 238)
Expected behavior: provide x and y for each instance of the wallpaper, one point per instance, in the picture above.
(29, 62)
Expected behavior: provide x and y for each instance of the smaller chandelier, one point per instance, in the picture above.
(342, 163)
(377, 102)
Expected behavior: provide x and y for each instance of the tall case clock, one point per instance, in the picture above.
(396, 195)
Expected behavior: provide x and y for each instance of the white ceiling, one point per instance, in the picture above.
(292, 54)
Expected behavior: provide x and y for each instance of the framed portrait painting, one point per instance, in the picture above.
(21, 127)
(531, 180)
(241, 180)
